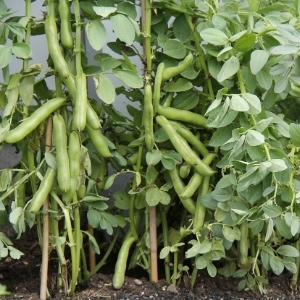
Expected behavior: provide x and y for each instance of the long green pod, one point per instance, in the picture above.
(178, 185)
(196, 179)
(58, 59)
(169, 73)
(81, 103)
(99, 142)
(187, 116)
(44, 189)
(62, 157)
(148, 117)
(190, 138)
(183, 148)
(74, 155)
(34, 120)
(157, 86)
(120, 268)
(92, 118)
(66, 36)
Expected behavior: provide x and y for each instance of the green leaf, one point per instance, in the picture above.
(96, 34)
(269, 230)
(110, 180)
(127, 9)
(121, 200)
(14, 253)
(153, 196)
(254, 138)
(284, 50)
(258, 60)
(201, 262)
(205, 247)
(287, 250)
(245, 43)
(254, 103)
(278, 165)
(264, 78)
(15, 215)
(211, 269)
(238, 103)
(290, 264)
(164, 252)
(93, 218)
(229, 233)
(181, 28)
(129, 77)
(186, 100)
(21, 50)
(230, 67)
(104, 11)
(5, 179)
(123, 28)
(214, 36)
(93, 242)
(272, 211)
(276, 264)
(151, 175)
(192, 252)
(104, 88)
(294, 131)
(153, 157)
(180, 85)
(174, 49)
(26, 89)
(5, 56)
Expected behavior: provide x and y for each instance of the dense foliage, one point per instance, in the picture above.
(210, 140)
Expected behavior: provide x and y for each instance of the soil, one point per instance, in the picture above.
(21, 278)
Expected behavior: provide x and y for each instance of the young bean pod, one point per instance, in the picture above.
(58, 59)
(183, 148)
(148, 117)
(65, 24)
(81, 102)
(120, 268)
(157, 86)
(169, 73)
(190, 138)
(74, 155)
(34, 120)
(99, 142)
(178, 185)
(196, 179)
(44, 189)
(92, 118)
(182, 115)
(62, 157)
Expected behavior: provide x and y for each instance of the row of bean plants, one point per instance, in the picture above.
(209, 141)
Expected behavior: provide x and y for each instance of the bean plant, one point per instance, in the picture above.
(209, 141)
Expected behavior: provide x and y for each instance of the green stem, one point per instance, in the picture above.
(200, 52)
(78, 36)
(164, 224)
(28, 30)
(72, 244)
(294, 279)
(105, 256)
(243, 245)
(175, 268)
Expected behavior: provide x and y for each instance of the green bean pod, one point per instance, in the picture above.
(74, 155)
(184, 170)
(157, 86)
(34, 120)
(196, 179)
(175, 114)
(58, 59)
(178, 185)
(62, 157)
(183, 148)
(99, 142)
(92, 118)
(120, 268)
(44, 189)
(171, 72)
(66, 36)
(191, 138)
(81, 102)
(148, 117)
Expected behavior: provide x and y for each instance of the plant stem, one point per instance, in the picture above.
(45, 247)
(105, 256)
(78, 36)
(243, 245)
(164, 224)
(92, 255)
(175, 267)
(153, 243)
(294, 279)
(201, 55)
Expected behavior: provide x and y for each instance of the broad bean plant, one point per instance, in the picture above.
(209, 143)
